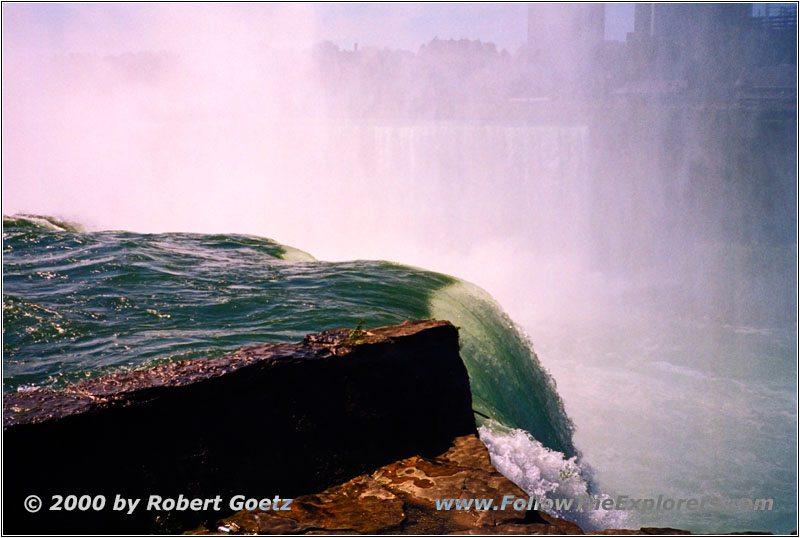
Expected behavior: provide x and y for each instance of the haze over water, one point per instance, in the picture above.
(631, 204)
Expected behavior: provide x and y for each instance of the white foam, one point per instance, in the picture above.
(540, 471)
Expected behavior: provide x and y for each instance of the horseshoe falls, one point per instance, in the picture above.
(622, 268)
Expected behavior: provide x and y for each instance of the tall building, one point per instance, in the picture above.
(564, 39)
(710, 51)
(696, 22)
(578, 28)
(702, 43)
(643, 22)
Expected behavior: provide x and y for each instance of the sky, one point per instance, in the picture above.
(409, 25)
(112, 28)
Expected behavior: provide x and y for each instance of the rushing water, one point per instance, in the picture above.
(700, 409)
(656, 280)
(78, 304)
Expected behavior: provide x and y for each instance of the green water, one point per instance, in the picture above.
(78, 304)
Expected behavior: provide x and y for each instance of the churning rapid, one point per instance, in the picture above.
(80, 304)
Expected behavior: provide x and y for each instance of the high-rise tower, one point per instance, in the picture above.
(563, 42)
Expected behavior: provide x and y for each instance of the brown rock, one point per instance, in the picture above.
(399, 498)
(359, 506)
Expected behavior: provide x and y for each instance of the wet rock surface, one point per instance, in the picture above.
(273, 419)
(399, 498)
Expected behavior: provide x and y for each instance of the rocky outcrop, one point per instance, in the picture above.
(274, 419)
(379, 421)
(399, 498)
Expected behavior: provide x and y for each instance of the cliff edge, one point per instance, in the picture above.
(273, 419)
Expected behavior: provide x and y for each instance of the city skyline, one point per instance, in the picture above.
(118, 28)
